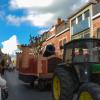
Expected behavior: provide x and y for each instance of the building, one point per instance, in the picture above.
(62, 35)
(57, 35)
(96, 19)
(84, 22)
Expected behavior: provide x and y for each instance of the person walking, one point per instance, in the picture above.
(2, 66)
(2, 86)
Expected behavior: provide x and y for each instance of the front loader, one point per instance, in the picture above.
(79, 74)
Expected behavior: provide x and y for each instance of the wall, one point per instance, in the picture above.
(61, 37)
(96, 25)
(18, 60)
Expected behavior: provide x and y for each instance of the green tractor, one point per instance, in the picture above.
(79, 74)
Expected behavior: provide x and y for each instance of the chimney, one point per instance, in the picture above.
(59, 21)
(98, 1)
(94, 1)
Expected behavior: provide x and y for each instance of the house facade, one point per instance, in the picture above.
(83, 23)
(96, 19)
(57, 35)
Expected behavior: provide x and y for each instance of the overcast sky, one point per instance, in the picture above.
(42, 12)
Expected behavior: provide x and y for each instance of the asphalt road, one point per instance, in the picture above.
(20, 91)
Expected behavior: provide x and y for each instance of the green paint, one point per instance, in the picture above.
(95, 68)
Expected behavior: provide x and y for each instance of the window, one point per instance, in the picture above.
(81, 51)
(80, 54)
(95, 52)
(86, 14)
(98, 33)
(81, 36)
(73, 22)
(79, 18)
(47, 35)
(64, 41)
(91, 51)
(60, 43)
(86, 35)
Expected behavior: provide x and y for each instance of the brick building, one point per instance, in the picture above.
(84, 22)
(96, 19)
(57, 35)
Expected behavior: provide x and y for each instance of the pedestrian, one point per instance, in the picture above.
(2, 86)
(2, 66)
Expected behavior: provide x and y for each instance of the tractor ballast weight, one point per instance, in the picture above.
(49, 50)
(80, 71)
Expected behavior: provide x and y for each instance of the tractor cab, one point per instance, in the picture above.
(84, 56)
(82, 51)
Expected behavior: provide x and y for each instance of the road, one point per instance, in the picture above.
(20, 91)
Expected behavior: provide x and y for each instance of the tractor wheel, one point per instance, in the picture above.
(89, 91)
(41, 85)
(63, 85)
(32, 84)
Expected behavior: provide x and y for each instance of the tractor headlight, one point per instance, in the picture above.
(86, 72)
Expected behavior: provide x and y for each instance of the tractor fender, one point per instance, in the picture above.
(71, 69)
(83, 73)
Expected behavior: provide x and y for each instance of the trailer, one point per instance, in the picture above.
(37, 69)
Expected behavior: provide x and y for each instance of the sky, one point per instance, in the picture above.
(20, 18)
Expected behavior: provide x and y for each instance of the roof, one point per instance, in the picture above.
(83, 7)
(82, 39)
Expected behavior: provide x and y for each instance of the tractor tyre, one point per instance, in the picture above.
(41, 85)
(63, 85)
(32, 84)
(89, 91)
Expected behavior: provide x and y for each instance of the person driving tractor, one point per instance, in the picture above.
(80, 56)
